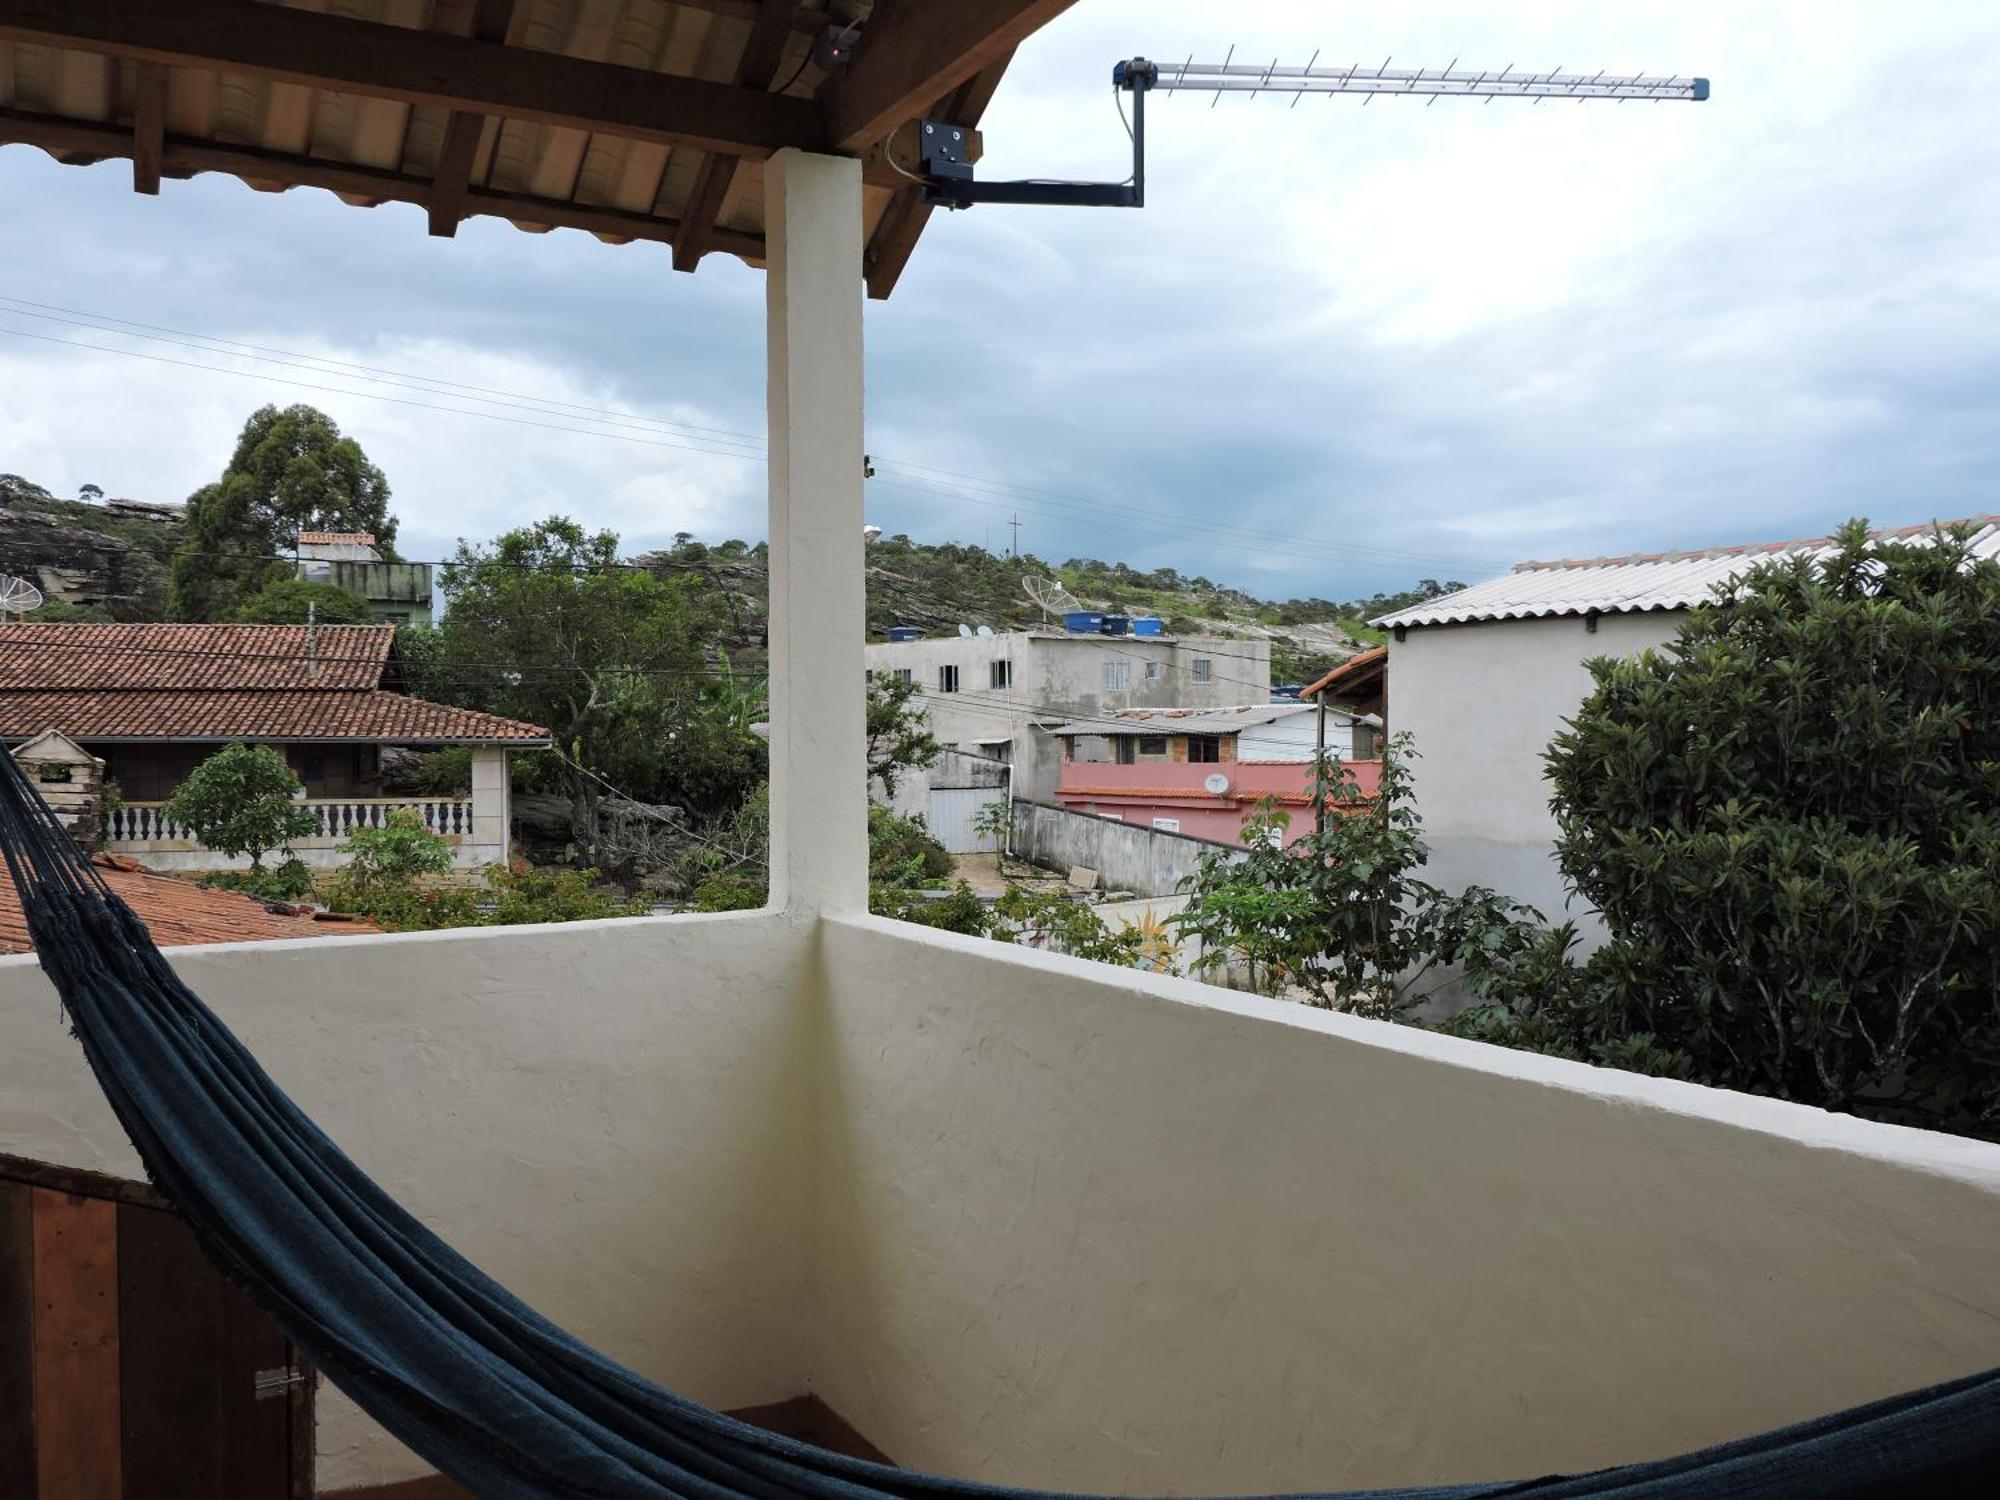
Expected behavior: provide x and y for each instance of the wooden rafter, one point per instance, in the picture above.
(914, 54)
(757, 69)
(74, 141)
(485, 21)
(149, 125)
(903, 224)
(423, 67)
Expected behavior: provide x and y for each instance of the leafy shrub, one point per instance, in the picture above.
(290, 880)
(241, 801)
(383, 862)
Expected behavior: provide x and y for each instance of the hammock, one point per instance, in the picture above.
(513, 1408)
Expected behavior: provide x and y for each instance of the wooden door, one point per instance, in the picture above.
(129, 1368)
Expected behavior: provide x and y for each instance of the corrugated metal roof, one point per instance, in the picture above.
(229, 91)
(1183, 720)
(1639, 582)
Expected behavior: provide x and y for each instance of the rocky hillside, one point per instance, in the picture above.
(102, 559)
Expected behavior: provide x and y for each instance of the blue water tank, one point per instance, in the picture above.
(1116, 625)
(1148, 625)
(1083, 621)
(905, 633)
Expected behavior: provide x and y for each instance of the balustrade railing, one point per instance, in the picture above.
(339, 818)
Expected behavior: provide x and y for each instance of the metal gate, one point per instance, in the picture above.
(952, 812)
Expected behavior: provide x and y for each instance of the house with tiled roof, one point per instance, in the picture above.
(152, 701)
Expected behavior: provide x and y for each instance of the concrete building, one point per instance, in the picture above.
(1016, 1217)
(1486, 677)
(398, 593)
(999, 695)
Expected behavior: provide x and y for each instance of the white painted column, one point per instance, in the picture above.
(813, 291)
(491, 814)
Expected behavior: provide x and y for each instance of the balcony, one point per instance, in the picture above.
(143, 831)
(1016, 1217)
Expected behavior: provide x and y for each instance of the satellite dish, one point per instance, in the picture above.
(965, 631)
(17, 595)
(985, 632)
(1050, 596)
(1216, 784)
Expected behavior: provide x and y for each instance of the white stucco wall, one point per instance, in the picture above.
(607, 1116)
(1096, 1231)
(1483, 701)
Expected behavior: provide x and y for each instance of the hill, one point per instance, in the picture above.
(92, 560)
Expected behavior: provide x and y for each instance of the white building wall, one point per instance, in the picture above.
(1296, 737)
(1058, 676)
(1483, 701)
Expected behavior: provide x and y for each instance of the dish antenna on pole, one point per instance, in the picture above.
(1049, 596)
(17, 596)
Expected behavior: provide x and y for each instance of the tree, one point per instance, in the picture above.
(899, 735)
(1790, 820)
(241, 801)
(90, 494)
(289, 601)
(547, 625)
(292, 471)
(1342, 912)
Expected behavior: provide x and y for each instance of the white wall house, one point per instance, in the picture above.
(997, 695)
(1485, 678)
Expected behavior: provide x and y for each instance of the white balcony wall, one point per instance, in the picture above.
(607, 1116)
(1083, 1229)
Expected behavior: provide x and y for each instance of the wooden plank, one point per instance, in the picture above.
(422, 67)
(17, 1341)
(77, 1180)
(190, 1346)
(76, 1347)
(915, 54)
(903, 224)
(486, 20)
(185, 158)
(149, 126)
(756, 68)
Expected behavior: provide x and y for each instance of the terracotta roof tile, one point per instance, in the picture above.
(336, 538)
(1362, 664)
(179, 912)
(129, 658)
(389, 718)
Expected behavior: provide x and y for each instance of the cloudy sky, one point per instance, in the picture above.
(1342, 348)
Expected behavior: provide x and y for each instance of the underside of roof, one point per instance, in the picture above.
(630, 119)
(1641, 582)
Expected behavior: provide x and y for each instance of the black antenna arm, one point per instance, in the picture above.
(948, 177)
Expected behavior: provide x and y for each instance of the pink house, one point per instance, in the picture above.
(1202, 772)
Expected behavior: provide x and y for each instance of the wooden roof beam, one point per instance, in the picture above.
(149, 126)
(914, 53)
(757, 68)
(424, 67)
(75, 141)
(486, 21)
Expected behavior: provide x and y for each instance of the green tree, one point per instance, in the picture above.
(1342, 913)
(386, 861)
(1790, 820)
(546, 625)
(241, 801)
(899, 736)
(288, 601)
(292, 471)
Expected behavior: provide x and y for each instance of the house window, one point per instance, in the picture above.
(1204, 749)
(1125, 747)
(901, 674)
(1152, 671)
(1201, 669)
(1167, 825)
(1152, 744)
(947, 679)
(868, 675)
(1003, 673)
(1117, 677)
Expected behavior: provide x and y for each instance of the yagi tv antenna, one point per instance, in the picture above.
(946, 156)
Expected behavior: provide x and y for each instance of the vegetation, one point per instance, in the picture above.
(292, 471)
(899, 736)
(294, 601)
(138, 557)
(1790, 820)
(241, 801)
(1342, 914)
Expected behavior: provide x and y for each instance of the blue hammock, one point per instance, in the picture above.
(512, 1407)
